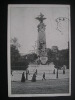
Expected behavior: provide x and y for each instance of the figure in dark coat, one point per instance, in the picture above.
(43, 76)
(23, 77)
(27, 72)
(34, 77)
(54, 71)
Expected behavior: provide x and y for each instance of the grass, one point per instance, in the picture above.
(41, 87)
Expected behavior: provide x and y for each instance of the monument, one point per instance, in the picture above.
(41, 42)
(42, 67)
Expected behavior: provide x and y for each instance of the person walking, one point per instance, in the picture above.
(43, 76)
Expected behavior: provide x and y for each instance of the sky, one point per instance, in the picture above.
(23, 26)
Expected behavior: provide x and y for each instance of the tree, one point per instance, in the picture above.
(49, 54)
(63, 58)
(18, 62)
(15, 55)
(14, 41)
(32, 57)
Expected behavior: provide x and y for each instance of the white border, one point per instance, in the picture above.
(8, 52)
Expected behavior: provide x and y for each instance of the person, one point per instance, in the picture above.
(11, 73)
(54, 71)
(23, 77)
(36, 72)
(34, 77)
(27, 72)
(64, 69)
(43, 76)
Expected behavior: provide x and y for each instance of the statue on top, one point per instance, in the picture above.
(40, 18)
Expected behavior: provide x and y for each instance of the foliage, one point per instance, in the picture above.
(17, 61)
(49, 53)
(31, 57)
(61, 58)
(14, 54)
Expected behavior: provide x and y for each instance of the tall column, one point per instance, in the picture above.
(41, 44)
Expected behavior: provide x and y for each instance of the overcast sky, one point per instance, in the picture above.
(23, 26)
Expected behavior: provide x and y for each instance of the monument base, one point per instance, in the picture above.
(48, 69)
(43, 60)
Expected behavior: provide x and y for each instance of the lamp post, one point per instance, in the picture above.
(26, 70)
(57, 73)
(55, 51)
(57, 58)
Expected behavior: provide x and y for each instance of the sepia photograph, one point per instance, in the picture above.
(39, 50)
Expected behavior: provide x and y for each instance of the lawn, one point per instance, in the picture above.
(51, 86)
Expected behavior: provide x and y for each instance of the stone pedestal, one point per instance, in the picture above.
(48, 69)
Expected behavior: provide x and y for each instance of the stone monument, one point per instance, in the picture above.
(42, 67)
(41, 43)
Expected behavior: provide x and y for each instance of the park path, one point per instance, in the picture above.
(49, 75)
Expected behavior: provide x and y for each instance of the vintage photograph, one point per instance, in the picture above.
(39, 50)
